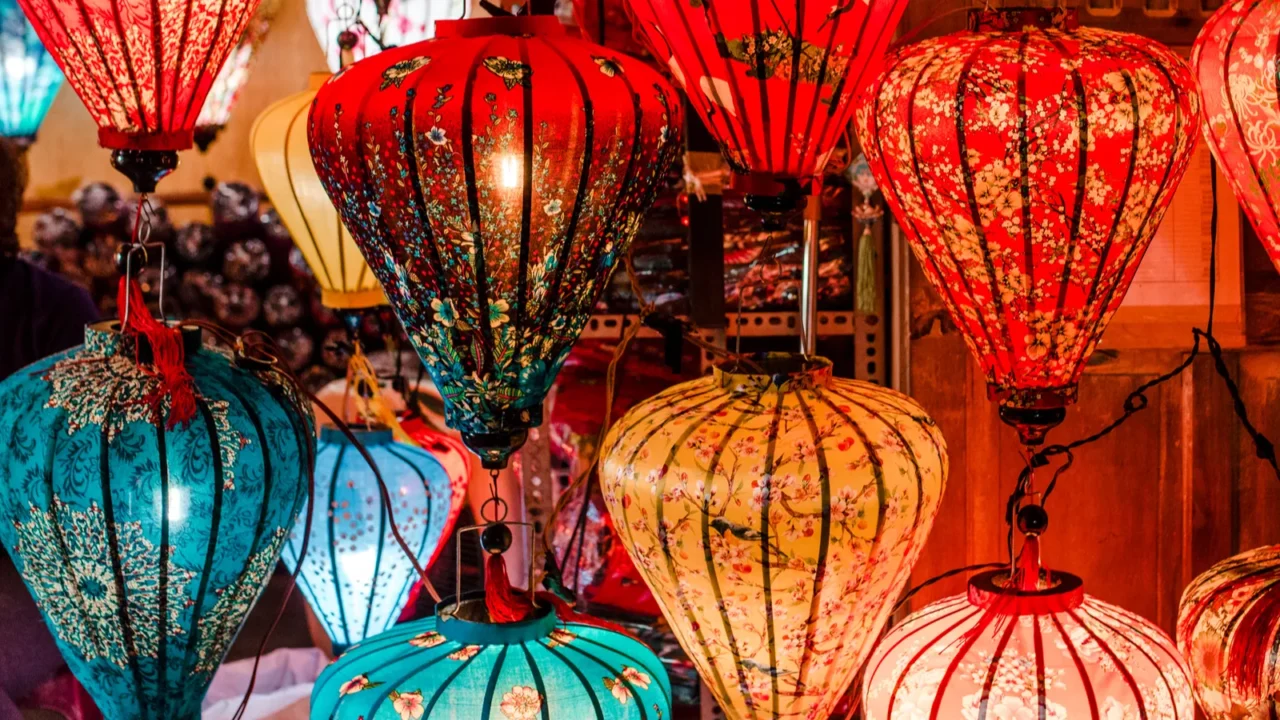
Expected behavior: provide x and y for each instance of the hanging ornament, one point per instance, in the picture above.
(1029, 162)
(146, 489)
(1234, 58)
(231, 79)
(29, 78)
(279, 144)
(1228, 629)
(376, 25)
(776, 516)
(493, 177)
(773, 82)
(143, 90)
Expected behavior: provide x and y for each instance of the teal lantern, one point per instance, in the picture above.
(458, 665)
(355, 576)
(29, 78)
(145, 541)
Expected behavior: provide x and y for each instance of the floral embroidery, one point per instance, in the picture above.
(618, 686)
(407, 704)
(466, 652)
(560, 637)
(521, 703)
(427, 639)
(356, 684)
(396, 74)
(512, 72)
(220, 624)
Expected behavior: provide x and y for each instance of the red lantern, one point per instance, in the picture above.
(1234, 58)
(608, 23)
(1029, 162)
(773, 82)
(142, 69)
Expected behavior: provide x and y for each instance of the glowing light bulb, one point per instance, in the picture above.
(511, 171)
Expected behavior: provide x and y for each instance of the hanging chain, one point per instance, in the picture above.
(494, 509)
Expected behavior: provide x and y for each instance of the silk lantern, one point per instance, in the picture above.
(1048, 651)
(355, 576)
(608, 23)
(142, 69)
(145, 542)
(773, 82)
(29, 78)
(1029, 162)
(459, 664)
(279, 144)
(493, 177)
(1228, 629)
(231, 79)
(377, 25)
(776, 514)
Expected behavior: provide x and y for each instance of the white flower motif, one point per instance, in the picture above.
(521, 702)
(408, 705)
(552, 208)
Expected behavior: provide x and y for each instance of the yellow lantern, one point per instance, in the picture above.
(279, 144)
(776, 517)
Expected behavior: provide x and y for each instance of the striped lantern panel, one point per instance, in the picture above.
(1053, 653)
(1029, 162)
(608, 23)
(1234, 58)
(1229, 631)
(231, 79)
(775, 514)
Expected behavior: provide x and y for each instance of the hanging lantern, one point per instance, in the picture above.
(458, 664)
(279, 144)
(143, 90)
(452, 456)
(376, 25)
(143, 540)
(1029, 162)
(1228, 627)
(29, 78)
(230, 81)
(1231, 57)
(493, 177)
(355, 576)
(776, 517)
(773, 82)
(608, 23)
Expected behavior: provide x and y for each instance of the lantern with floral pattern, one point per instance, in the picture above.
(1029, 162)
(776, 514)
(231, 79)
(493, 177)
(29, 78)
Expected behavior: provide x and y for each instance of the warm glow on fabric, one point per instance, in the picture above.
(231, 79)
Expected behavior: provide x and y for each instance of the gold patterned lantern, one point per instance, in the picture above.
(279, 144)
(776, 517)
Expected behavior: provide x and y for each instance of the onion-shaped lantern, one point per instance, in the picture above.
(144, 541)
(493, 177)
(279, 144)
(776, 514)
(1048, 651)
(355, 575)
(1234, 58)
(29, 78)
(1228, 629)
(773, 82)
(458, 664)
(231, 79)
(376, 25)
(1029, 162)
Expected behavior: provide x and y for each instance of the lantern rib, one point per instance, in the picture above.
(480, 283)
(657, 672)
(616, 212)
(736, 149)
(215, 522)
(182, 55)
(390, 687)
(1042, 691)
(1235, 117)
(127, 53)
(713, 22)
(106, 68)
(131, 649)
(1085, 682)
(422, 544)
(1262, 590)
(994, 664)
(957, 606)
(968, 639)
(840, 100)
(1103, 621)
(303, 109)
(620, 677)
(333, 547)
(766, 124)
(822, 78)
(765, 567)
(526, 205)
(162, 620)
(493, 682)
(586, 684)
(213, 43)
(64, 550)
(1118, 663)
(157, 59)
(1024, 179)
(824, 534)
(415, 179)
(377, 561)
(538, 682)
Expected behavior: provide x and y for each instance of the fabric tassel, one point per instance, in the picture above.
(1028, 573)
(361, 372)
(1255, 638)
(507, 604)
(168, 356)
(866, 288)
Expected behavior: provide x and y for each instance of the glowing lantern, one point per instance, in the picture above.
(279, 144)
(1050, 651)
(776, 517)
(458, 664)
(773, 82)
(355, 576)
(1029, 162)
(144, 541)
(378, 24)
(230, 81)
(1228, 627)
(29, 79)
(493, 177)
(1231, 57)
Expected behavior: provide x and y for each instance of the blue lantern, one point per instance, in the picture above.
(29, 78)
(355, 576)
(451, 667)
(143, 544)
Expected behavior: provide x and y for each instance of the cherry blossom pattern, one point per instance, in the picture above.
(356, 684)
(408, 705)
(521, 703)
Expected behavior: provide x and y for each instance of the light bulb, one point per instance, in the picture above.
(511, 171)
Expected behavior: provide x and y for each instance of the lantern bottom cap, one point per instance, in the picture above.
(1032, 424)
(145, 168)
(353, 299)
(495, 448)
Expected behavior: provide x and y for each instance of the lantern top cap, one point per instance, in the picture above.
(992, 590)
(1021, 19)
(517, 25)
(368, 436)
(465, 621)
(778, 371)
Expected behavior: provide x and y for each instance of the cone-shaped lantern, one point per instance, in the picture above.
(776, 517)
(29, 78)
(493, 177)
(376, 25)
(1029, 162)
(279, 144)
(230, 81)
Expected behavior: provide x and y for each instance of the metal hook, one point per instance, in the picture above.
(129, 250)
(457, 588)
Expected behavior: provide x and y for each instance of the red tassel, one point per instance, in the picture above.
(504, 603)
(167, 353)
(1251, 643)
(1029, 564)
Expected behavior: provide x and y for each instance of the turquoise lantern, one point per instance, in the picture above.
(355, 576)
(146, 524)
(29, 78)
(459, 665)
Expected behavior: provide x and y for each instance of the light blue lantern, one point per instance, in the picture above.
(449, 668)
(355, 575)
(29, 77)
(145, 545)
